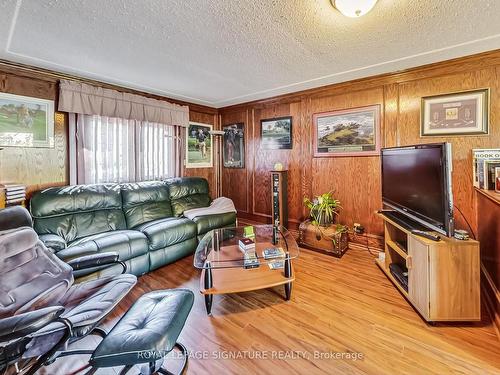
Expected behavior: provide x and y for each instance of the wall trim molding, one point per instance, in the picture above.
(52, 76)
(452, 66)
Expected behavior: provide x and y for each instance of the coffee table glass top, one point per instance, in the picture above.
(220, 248)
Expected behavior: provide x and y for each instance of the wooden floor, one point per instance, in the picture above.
(338, 306)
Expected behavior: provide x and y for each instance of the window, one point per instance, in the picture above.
(118, 150)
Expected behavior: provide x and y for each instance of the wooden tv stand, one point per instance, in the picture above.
(443, 277)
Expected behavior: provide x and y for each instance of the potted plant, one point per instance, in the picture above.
(323, 209)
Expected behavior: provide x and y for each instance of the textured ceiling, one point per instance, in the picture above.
(222, 52)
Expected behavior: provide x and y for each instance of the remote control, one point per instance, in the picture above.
(430, 236)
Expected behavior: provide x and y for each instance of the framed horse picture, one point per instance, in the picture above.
(26, 121)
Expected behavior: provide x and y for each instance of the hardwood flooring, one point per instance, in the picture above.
(338, 306)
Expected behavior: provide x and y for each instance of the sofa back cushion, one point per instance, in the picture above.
(145, 201)
(73, 212)
(187, 193)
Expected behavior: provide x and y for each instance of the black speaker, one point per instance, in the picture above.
(279, 198)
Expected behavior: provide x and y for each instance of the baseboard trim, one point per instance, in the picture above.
(492, 299)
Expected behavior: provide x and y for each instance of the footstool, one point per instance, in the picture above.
(146, 333)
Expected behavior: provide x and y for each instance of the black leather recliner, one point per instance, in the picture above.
(41, 309)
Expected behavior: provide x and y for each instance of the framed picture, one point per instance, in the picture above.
(26, 121)
(349, 132)
(276, 133)
(198, 145)
(234, 145)
(464, 113)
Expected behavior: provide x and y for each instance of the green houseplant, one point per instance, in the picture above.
(323, 209)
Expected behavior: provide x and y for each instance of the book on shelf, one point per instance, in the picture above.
(246, 244)
(273, 252)
(11, 194)
(497, 180)
(12, 201)
(14, 191)
(489, 172)
(13, 188)
(479, 157)
(15, 195)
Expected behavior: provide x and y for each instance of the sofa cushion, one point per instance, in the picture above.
(169, 254)
(187, 193)
(209, 222)
(145, 201)
(167, 232)
(74, 212)
(127, 243)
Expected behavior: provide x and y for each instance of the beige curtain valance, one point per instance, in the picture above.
(77, 97)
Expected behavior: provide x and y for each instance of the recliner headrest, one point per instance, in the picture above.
(15, 241)
(76, 199)
(186, 186)
(14, 217)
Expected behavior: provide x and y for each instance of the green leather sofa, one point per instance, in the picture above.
(141, 221)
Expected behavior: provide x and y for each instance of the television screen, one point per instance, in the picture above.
(415, 182)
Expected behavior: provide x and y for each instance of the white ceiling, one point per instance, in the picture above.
(223, 52)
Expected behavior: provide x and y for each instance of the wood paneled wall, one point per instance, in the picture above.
(210, 117)
(42, 167)
(35, 167)
(356, 180)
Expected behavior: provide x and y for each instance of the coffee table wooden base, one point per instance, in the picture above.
(237, 280)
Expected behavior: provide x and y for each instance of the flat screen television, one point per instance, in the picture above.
(416, 182)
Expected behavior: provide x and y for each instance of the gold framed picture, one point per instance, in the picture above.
(199, 145)
(462, 113)
(348, 132)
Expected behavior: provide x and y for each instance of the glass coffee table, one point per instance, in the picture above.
(223, 265)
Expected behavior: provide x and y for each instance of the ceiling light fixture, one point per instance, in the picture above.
(354, 8)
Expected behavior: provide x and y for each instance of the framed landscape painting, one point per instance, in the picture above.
(349, 132)
(234, 145)
(464, 113)
(199, 145)
(276, 133)
(26, 121)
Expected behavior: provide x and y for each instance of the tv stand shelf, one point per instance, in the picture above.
(443, 276)
(394, 246)
(388, 273)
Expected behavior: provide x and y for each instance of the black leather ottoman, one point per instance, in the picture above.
(147, 332)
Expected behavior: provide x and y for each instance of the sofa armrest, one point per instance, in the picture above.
(18, 326)
(96, 260)
(53, 241)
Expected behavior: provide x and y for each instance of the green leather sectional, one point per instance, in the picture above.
(141, 221)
